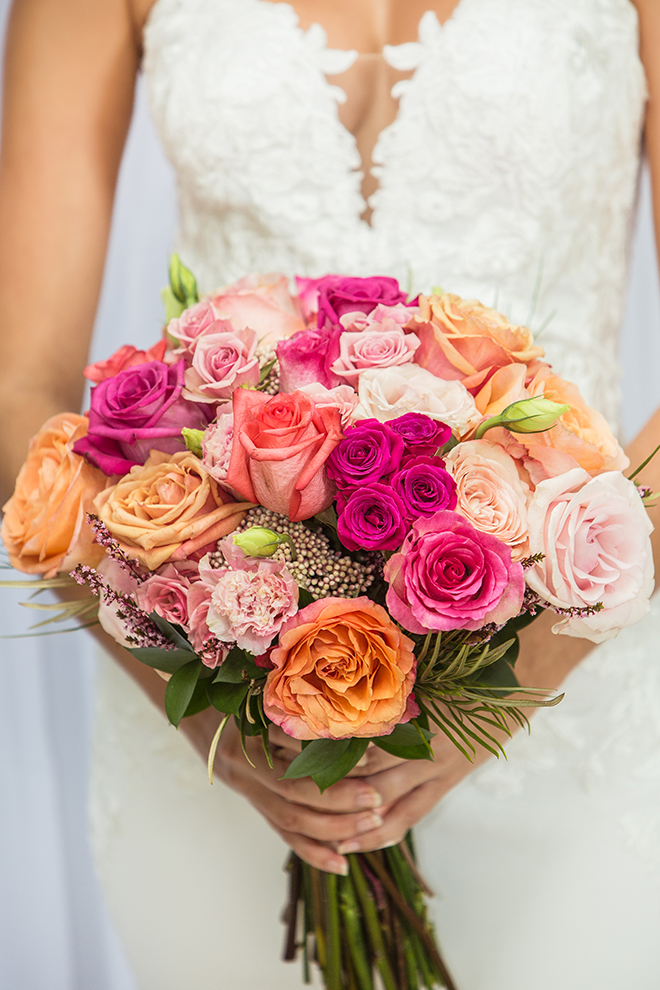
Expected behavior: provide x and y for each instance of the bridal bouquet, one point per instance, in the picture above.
(333, 509)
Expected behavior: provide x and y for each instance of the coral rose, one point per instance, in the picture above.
(126, 357)
(168, 509)
(45, 528)
(581, 433)
(280, 447)
(461, 339)
(342, 669)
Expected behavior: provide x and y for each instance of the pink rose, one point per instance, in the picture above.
(193, 322)
(341, 397)
(594, 533)
(448, 575)
(262, 303)
(166, 593)
(280, 447)
(383, 347)
(126, 357)
(221, 362)
(399, 314)
(306, 358)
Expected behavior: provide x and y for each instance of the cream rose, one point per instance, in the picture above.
(168, 508)
(490, 492)
(387, 393)
(594, 534)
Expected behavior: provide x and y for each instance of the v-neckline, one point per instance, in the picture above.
(366, 168)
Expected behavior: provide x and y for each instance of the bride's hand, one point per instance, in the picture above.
(372, 808)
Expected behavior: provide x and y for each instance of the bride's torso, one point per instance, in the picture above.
(503, 163)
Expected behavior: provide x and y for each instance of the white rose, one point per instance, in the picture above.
(594, 533)
(386, 393)
(490, 492)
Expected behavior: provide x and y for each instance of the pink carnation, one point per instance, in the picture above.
(216, 446)
(247, 603)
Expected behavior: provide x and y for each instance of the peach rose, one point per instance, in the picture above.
(262, 303)
(45, 528)
(581, 434)
(168, 509)
(491, 494)
(461, 339)
(342, 668)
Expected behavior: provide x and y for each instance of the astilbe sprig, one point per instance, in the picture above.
(142, 631)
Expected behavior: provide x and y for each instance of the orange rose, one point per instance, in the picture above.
(581, 434)
(343, 669)
(461, 339)
(45, 528)
(168, 508)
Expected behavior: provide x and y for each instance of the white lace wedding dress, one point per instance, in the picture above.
(509, 174)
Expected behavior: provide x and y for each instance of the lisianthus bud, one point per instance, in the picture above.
(526, 416)
(257, 541)
(193, 439)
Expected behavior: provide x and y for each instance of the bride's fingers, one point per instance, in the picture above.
(314, 853)
(401, 817)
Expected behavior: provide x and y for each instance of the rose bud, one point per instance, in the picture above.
(526, 416)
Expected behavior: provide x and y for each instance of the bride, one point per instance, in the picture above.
(491, 145)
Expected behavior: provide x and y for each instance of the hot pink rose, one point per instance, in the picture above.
(448, 575)
(383, 347)
(306, 358)
(339, 294)
(262, 303)
(594, 534)
(220, 363)
(126, 357)
(280, 447)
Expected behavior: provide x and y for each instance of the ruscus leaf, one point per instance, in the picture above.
(180, 689)
(318, 755)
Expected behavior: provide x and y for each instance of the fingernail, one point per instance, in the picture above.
(348, 847)
(368, 822)
(338, 866)
(369, 798)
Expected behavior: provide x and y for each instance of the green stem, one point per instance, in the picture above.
(355, 934)
(333, 970)
(373, 925)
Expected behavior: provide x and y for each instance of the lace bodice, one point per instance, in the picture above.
(508, 174)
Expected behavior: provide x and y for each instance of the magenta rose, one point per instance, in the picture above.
(424, 486)
(420, 433)
(340, 294)
(305, 358)
(220, 363)
(371, 518)
(448, 575)
(138, 410)
(369, 451)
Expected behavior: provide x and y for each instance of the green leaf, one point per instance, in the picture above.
(180, 689)
(499, 674)
(168, 661)
(171, 632)
(338, 770)
(305, 598)
(173, 307)
(238, 667)
(406, 742)
(227, 698)
(317, 756)
(644, 463)
(182, 282)
(328, 517)
(199, 701)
